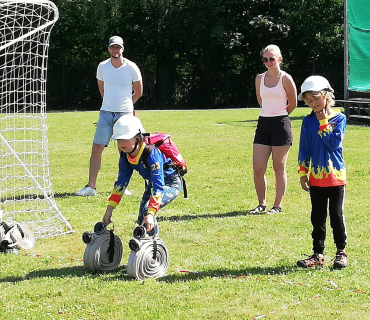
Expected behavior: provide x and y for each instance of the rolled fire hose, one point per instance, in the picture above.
(23, 235)
(148, 257)
(3, 230)
(18, 236)
(104, 249)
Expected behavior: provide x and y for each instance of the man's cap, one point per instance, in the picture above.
(115, 40)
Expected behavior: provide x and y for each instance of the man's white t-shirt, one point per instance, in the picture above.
(118, 85)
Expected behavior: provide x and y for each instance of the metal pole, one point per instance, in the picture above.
(346, 65)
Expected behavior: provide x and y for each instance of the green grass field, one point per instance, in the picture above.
(242, 267)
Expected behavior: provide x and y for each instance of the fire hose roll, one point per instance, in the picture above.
(24, 236)
(150, 261)
(17, 235)
(103, 252)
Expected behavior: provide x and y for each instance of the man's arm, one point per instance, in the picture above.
(138, 90)
(101, 87)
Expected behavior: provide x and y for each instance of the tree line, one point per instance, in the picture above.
(192, 53)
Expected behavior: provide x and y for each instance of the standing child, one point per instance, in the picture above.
(320, 156)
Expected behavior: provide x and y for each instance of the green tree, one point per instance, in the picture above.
(192, 53)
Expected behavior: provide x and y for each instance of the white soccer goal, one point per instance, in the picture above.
(26, 193)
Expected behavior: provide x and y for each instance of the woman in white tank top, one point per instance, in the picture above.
(277, 95)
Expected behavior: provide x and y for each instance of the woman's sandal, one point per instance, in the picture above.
(259, 209)
(274, 210)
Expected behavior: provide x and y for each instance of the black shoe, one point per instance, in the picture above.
(340, 260)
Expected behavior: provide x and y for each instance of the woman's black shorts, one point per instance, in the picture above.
(274, 131)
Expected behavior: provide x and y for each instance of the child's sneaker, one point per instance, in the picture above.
(340, 260)
(317, 259)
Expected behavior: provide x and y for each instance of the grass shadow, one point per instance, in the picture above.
(64, 195)
(237, 123)
(37, 196)
(77, 271)
(173, 277)
(207, 216)
(254, 273)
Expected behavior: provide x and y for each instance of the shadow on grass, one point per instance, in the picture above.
(236, 123)
(172, 277)
(64, 195)
(251, 273)
(208, 216)
(70, 272)
(40, 196)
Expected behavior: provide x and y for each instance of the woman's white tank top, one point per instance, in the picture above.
(274, 100)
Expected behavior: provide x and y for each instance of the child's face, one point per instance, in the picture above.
(315, 100)
(126, 145)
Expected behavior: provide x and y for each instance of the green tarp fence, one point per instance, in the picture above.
(359, 45)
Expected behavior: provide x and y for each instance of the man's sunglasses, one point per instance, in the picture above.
(265, 60)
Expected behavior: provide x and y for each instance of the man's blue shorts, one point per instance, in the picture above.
(104, 128)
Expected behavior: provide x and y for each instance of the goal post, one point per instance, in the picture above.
(26, 193)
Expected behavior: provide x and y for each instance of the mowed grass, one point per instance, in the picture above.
(240, 266)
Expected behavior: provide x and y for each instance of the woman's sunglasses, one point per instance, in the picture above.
(265, 60)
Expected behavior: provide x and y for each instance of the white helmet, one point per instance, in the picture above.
(315, 84)
(127, 127)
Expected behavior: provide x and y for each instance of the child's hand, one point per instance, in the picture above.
(322, 114)
(149, 221)
(304, 183)
(107, 219)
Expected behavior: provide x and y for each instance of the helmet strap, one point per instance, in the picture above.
(135, 147)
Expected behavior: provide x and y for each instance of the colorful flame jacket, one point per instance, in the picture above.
(320, 150)
(158, 169)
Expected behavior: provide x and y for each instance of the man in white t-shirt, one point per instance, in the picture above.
(120, 85)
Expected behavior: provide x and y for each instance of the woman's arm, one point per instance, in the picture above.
(258, 83)
(291, 91)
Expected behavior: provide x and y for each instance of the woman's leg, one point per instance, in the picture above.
(279, 158)
(261, 154)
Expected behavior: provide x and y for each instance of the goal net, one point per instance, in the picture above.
(26, 193)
